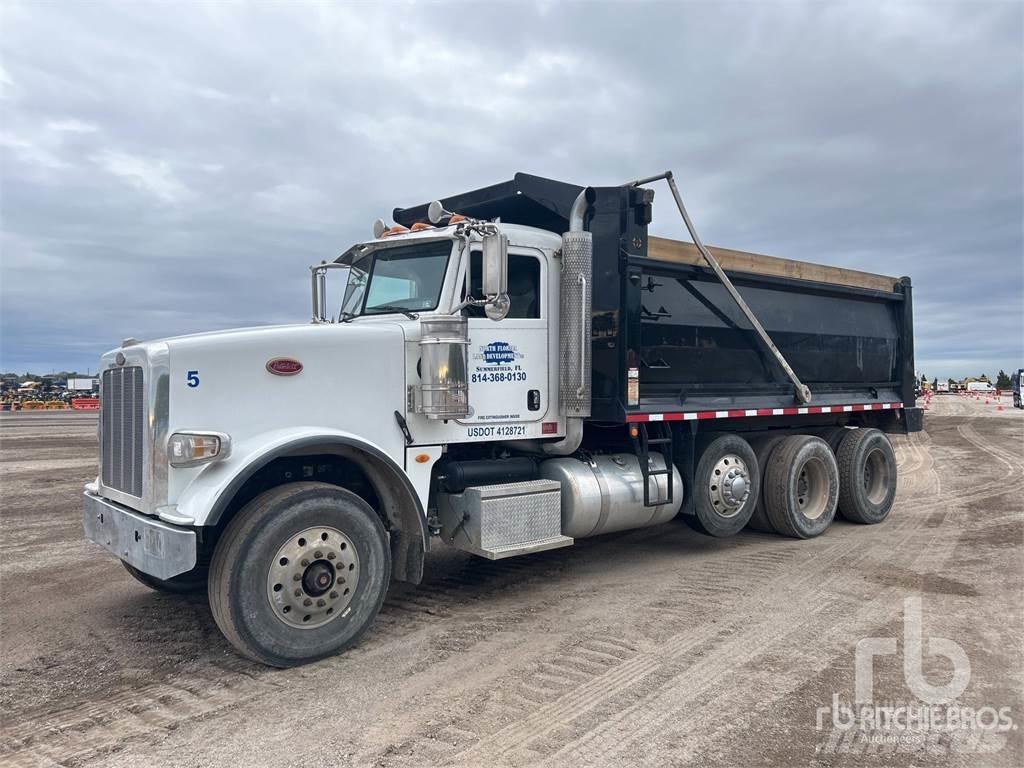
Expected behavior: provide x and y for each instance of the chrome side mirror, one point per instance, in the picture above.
(498, 307)
(495, 264)
(494, 280)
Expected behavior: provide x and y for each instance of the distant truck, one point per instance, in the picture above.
(1017, 384)
(942, 387)
(81, 384)
(507, 370)
(980, 387)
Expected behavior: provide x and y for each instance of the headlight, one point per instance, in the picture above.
(187, 449)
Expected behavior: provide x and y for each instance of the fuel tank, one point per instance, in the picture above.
(606, 494)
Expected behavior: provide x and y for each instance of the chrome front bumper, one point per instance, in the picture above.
(152, 546)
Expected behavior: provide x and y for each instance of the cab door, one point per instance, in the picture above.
(508, 359)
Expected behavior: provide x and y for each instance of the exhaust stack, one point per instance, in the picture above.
(574, 372)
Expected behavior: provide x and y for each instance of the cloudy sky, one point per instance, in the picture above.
(171, 168)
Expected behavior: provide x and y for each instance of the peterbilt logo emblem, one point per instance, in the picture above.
(284, 366)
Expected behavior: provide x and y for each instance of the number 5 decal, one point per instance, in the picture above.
(192, 379)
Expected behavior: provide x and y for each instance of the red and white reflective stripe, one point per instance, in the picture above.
(744, 413)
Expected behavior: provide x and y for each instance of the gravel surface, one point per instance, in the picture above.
(655, 647)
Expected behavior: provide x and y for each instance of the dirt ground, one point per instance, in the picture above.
(659, 647)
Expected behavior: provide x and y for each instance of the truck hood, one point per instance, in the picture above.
(277, 334)
(293, 331)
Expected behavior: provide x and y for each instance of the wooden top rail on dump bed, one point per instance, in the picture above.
(663, 249)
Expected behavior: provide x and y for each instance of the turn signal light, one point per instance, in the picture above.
(187, 449)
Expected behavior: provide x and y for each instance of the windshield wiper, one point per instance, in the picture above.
(392, 308)
(346, 317)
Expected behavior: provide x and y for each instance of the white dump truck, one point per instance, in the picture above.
(506, 370)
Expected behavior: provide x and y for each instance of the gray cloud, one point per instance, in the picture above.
(170, 168)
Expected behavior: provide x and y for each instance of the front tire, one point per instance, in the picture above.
(299, 574)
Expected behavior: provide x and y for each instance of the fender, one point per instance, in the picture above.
(214, 489)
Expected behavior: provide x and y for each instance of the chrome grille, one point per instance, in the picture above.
(122, 425)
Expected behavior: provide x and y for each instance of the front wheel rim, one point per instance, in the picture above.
(313, 577)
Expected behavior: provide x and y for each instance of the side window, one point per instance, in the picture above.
(524, 291)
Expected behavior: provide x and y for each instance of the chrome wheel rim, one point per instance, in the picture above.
(313, 577)
(812, 489)
(729, 485)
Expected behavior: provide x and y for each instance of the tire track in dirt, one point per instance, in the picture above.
(812, 596)
(78, 734)
(1014, 463)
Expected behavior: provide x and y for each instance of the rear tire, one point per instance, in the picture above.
(187, 583)
(299, 573)
(801, 487)
(726, 485)
(763, 448)
(867, 476)
(833, 436)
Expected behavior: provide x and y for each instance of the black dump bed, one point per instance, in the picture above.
(660, 314)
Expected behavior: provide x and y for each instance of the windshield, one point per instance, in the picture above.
(403, 278)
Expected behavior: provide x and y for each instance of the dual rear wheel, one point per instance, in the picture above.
(793, 484)
(801, 487)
